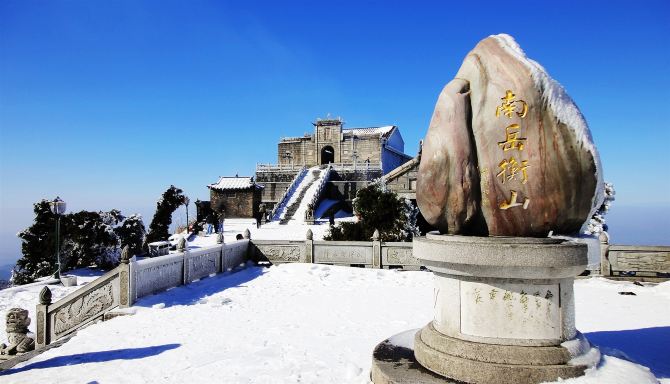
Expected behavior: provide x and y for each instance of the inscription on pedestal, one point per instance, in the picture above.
(504, 310)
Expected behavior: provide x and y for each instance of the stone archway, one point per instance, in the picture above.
(327, 155)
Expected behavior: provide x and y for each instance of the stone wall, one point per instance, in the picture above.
(402, 180)
(307, 150)
(275, 183)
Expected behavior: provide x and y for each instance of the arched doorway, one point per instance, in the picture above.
(327, 155)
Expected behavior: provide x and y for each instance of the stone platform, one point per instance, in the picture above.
(394, 363)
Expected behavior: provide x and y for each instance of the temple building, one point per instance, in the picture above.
(235, 197)
(317, 175)
(342, 159)
(377, 147)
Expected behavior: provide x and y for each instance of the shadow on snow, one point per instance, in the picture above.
(646, 346)
(95, 357)
(192, 293)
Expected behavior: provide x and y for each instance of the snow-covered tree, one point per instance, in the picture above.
(91, 239)
(597, 223)
(86, 239)
(381, 209)
(38, 246)
(131, 232)
(171, 200)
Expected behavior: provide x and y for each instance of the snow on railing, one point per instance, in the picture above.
(311, 206)
(131, 280)
(277, 167)
(79, 308)
(279, 208)
(157, 274)
(359, 166)
(362, 166)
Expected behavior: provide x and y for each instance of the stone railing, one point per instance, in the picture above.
(149, 276)
(615, 260)
(90, 303)
(635, 260)
(131, 280)
(277, 167)
(358, 166)
(309, 214)
(368, 254)
(281, 204)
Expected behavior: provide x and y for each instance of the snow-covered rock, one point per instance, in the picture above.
(507, 151)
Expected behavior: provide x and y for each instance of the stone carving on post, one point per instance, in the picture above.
(181, 244)
(18, 342)
(507, 159)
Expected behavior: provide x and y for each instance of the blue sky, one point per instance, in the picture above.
(108, 103)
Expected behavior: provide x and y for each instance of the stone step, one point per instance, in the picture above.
(291, 209)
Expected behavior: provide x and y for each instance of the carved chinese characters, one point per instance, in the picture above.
(511, 169)
(510, 310)
(507, 152)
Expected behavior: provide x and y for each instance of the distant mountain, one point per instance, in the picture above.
(6, 271)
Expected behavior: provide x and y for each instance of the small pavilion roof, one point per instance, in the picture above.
(234, 183)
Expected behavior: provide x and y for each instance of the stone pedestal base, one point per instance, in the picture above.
(504, 310)
(472, 362)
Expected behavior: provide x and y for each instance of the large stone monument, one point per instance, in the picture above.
(507, 161)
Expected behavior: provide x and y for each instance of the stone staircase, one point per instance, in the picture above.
(291, 209)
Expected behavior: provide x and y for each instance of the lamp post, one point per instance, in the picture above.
(58, 208)
(186, 203)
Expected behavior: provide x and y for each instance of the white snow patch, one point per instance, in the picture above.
(305, 323)
(614, 371)
(27, 296)
(405, 339)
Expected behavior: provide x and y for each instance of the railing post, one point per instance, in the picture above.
(309, 246)
(605, 267)
(376, 250)
(249, 254)
(125, 298)
(181, 247)
(222, 253)
(42, 327)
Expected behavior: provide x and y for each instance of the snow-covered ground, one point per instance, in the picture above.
(319, 324)
(269, 231)
(27, 296)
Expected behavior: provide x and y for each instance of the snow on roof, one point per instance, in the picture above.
(243, 182)
(369, 131)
